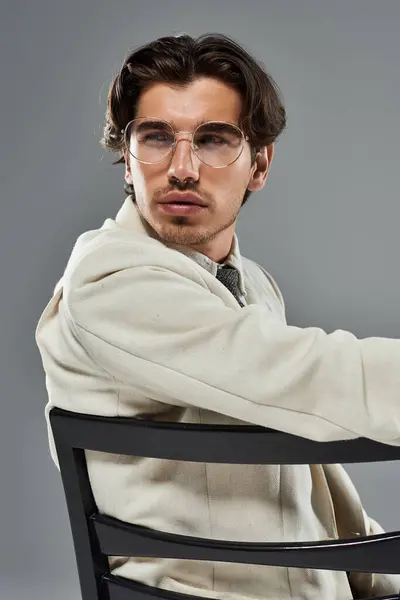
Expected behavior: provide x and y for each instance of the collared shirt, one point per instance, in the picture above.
(234, 259)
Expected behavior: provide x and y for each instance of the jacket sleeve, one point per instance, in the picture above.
(176, 341)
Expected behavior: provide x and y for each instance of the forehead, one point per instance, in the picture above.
(204, 99)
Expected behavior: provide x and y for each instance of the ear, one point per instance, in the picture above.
(260, 169)
(128, 173)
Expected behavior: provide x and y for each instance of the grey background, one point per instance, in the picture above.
(326, 224)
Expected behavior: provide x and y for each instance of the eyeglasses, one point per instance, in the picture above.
(217, 144)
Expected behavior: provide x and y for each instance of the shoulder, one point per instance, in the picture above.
(101, 253)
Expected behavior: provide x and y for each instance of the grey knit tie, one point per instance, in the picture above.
(229, 277)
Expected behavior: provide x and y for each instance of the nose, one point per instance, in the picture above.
(184, 163)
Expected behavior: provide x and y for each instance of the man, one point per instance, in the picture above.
(159, 316)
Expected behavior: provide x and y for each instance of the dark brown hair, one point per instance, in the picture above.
(179, 60)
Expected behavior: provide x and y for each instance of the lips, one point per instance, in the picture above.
(183, 199)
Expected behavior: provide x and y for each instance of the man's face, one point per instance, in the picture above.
(210, 230)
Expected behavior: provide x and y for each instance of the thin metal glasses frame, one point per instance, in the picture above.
(192, 133)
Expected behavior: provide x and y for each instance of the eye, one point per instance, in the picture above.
(155, 136)
(208, 138)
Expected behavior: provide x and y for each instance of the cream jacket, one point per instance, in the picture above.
(139, 328)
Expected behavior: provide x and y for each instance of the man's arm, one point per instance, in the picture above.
(177, 342)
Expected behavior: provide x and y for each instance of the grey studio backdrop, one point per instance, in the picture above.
(326, 224)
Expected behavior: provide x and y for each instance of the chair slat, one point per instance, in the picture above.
(236, 444)
(119, 588)
(376, 553)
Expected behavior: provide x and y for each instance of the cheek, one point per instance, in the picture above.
(238, 174)
(149, 175)
(139, 176)
(235, 180)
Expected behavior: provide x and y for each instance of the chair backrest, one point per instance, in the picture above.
(96, 536)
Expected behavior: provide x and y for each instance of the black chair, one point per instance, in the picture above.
(97, 536)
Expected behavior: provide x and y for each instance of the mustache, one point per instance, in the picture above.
(183, 187)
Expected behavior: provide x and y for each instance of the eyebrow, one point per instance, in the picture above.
(154, 121)
(200, 122)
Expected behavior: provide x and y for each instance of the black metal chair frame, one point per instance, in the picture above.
(96, 536)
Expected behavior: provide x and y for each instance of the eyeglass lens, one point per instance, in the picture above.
(215, 143)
